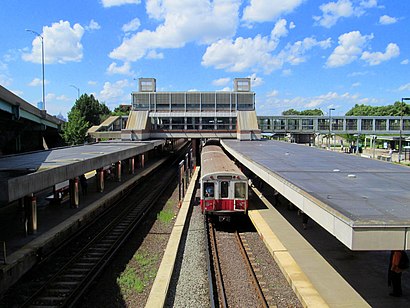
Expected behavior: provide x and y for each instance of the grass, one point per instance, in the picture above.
(167, 214)
(129, 281)
(136, 277)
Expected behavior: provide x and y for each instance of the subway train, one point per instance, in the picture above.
(223, 186)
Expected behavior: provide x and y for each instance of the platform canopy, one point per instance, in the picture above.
(28, 173)
(364, 203)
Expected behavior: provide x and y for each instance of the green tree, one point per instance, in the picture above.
(312, 112)
(308, 112)
(397, 109)
(121, 110)
(291, 112)
(75, 130)
(91, 109)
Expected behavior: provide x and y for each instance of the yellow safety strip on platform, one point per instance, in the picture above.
(300, 283)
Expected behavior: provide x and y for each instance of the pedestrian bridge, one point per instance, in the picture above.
(363, 125)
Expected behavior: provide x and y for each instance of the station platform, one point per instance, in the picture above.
(321, 271)
(55, 223)
(363, 202)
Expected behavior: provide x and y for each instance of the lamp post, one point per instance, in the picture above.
(42, 62)
(401, 123)
(330, 126)
(78, 90)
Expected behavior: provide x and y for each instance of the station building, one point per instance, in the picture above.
(191, 114)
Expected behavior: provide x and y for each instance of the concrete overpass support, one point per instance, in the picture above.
(131, 165)
(100, 179)
(30, 214)
(118, 171)
(142, 160)
(74, 193)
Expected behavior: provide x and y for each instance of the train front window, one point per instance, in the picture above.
(209, 190)
(224, 189)
(240, 190)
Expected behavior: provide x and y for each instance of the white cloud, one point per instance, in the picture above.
(110, 3)
(92, 82)
(331, 99)
(405, 87)
(256, 54)
(273, 93)
(63, 98)
(125, 69)
(255, 80)
(226, 89)
(37, 82)
(54, 97)
(368, 3)
(5, 81)
(268, 10)
(153, 54)
(387, 20)
(183, 22)
(242, 54)
(113, 93)
(279, 30)
(221, 82)
(349, 49)
(132, 26)
(375, 58)
(356, 84)
(405, 62)
(287, 72)
(294, 53)
(92, 26)
(62, 43)
(333, 11)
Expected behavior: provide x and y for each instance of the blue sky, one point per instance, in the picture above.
(300, 54)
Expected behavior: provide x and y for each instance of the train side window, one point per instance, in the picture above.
(240, 190)
(209, 190)
(224, 189)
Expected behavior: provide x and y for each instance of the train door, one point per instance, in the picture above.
(240, 196)
(224, 196)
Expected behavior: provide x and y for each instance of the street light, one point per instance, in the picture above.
(78, 90)
(330, 126)
(401, 123)
(42, 61)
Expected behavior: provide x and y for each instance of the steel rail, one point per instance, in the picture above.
(210, 268)
(216, 267)
(251, 272)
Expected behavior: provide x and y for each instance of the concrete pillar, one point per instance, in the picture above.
(118, 171)
(142, 157)
(131, 165)
(100, 179)
(74, 193)
(30, 214)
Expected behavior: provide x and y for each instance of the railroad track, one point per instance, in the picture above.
(229, 275)
(69, 272)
